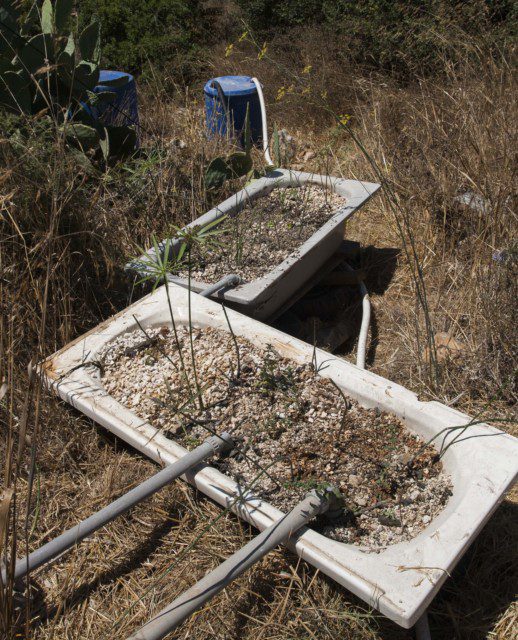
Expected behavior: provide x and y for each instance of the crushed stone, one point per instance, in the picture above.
(263, 234)
(296, 429)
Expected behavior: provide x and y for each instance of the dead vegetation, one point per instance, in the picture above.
(64, 237)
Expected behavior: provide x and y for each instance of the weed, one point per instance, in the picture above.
(272, 378)
(236, 344)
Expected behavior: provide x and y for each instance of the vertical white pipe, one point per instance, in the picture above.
(266, 142)
(366, 318)
(364, 329)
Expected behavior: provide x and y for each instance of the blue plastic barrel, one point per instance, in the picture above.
(123, 109)
(229, 119)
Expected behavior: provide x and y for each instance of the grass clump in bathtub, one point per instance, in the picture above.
(290, 421)
(264, 233)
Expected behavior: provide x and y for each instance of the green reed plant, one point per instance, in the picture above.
(195, 238)
(236, 345)
(157, 269)
(170, 258)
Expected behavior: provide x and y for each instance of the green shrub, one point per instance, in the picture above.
(138, 31)
(265, 15)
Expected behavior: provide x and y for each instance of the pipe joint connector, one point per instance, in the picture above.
(234, 280)
(332, 501)
(221, 443)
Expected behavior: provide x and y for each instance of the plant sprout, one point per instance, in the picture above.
(168, 259)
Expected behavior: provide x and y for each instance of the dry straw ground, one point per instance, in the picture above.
(64, 237)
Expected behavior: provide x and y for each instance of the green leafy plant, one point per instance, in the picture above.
(45, 67)
(275, 378)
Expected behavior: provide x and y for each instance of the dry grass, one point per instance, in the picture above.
(64, 238)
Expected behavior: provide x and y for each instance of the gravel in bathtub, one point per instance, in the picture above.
(264, 233)
(296, 424)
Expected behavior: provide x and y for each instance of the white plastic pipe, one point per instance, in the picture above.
(366, 318)
(364, 329)
(214, 445)
(215, 581)
(266, 142)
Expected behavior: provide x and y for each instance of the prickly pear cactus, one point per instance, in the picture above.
(45, 66)
(235, 165)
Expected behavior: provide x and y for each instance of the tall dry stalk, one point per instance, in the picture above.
(20, 415)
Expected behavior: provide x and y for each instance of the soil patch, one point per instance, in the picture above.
(297, 430)
(264, 233)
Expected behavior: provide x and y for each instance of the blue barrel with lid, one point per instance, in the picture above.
(123, 109)
(226, 100)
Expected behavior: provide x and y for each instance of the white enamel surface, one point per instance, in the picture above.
(262, 297)
(399, 581)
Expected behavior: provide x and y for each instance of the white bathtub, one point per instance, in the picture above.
(262, 297)
(400, 581)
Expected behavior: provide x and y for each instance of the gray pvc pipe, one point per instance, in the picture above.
(421, 628)
(231, 280)
(214, 445)
(215, 581)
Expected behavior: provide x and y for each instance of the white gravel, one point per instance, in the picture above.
(292, 422)
(264, 233)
